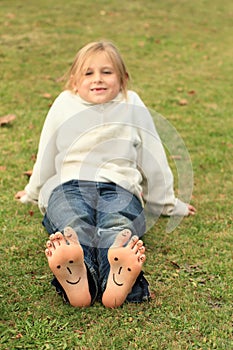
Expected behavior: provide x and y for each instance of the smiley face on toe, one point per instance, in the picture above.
(69, 269)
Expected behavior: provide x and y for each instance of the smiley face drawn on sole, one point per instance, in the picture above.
(74, 282)
(118, 274)
(70, 272)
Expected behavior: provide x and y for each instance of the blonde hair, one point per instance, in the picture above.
(91, 49)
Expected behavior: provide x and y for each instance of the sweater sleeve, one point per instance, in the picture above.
(44, 166)
(158, 192)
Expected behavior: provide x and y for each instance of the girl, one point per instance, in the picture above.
(99, 161)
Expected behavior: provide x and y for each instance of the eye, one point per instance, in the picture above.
(116, 259)
(129, 269)
(71, 261)
(107, 72)
(88, 72)
(58, 266)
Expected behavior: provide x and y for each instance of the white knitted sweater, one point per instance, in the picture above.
(112, 142)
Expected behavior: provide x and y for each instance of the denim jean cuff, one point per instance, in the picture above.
(140, 291)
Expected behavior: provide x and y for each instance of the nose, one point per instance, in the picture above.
(97, 77)
(69, 270)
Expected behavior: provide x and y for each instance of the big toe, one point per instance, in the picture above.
(122, 238)
(70, 235)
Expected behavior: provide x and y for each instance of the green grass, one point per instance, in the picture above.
(175, 50)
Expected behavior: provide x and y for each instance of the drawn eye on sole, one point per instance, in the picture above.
(74, 282)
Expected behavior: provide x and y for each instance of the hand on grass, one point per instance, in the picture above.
(192, 210)
(20, 194)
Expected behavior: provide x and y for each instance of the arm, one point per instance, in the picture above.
(158, 181)
(44, 167)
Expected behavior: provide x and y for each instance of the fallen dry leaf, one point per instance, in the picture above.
(10, 15)
(192, 92)
(141, 43)
(211, 105)
(60, 79)
(47, 95)
(28, 173)
(19, 335)
(183, 102)
(33, 157)
(175, 264)
(6, 119)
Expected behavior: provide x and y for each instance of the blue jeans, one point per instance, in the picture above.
(97, 211)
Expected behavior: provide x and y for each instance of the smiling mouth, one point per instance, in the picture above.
(74, 282)
(118, 284)
(99, 89)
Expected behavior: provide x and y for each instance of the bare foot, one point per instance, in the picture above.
(66, 261)
(125, 266)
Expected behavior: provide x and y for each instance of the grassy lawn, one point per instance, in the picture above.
(179, 54)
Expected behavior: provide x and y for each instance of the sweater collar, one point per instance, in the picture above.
(118, 98)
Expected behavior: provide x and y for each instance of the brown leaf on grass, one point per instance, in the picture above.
(60, 79)
(191, 92)
(195, 45)
(152, 295)
(33, 157)
(211, 105)
(19, 335)
(6, 119)
(79, 331)
(28, 173)
(2, 168)
(47, 95)
(183, 102)
(175, 264)
(141, 43)
(10, 15)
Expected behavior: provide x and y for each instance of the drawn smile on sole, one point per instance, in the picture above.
(114, 280)
(74, 282)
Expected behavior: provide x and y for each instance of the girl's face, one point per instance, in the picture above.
(99, 82)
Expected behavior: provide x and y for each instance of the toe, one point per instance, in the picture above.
(142, 250)
(49, 245)
(139, 244)
(56, 236)
(142, 258)
(133, 241)
(122, 238)
(136, 248)
(48, 253)
(70, 235)
(57, 239)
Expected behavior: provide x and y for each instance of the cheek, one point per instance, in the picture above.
(116, 86)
